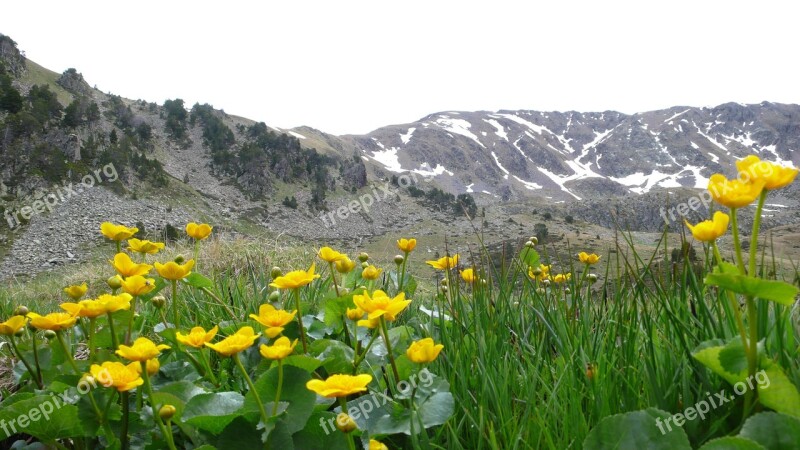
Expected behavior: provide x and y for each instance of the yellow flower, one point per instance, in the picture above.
(544, 272)
(144, 246)
(562, 277)
(197, 337)
(377, 445)
(468, 275)
(76, 291)
(174, 271)
(444, 263)
(85, 308)
(369, 323)
(330, 255)
(587, 258)
(138, 285)
(371, 273)
(345, 265)
(117, 375)
(56, 321)
(295, 279)
(407, 245)
(117, 232)
(127, 268)
(273, 319)
(355, 314)
(773, 175)
(114, 303)
(709, 230)
(235, 343)
(279, 350)
(340, 385)
(12, 325)
(198, 231)
(143, 349)
(152, 367)
(733, 193)
(381, 305)
(423, 351)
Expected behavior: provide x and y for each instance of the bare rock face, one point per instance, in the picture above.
(73, 81)
(10, 56)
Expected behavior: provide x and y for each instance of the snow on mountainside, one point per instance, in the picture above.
(574, 156)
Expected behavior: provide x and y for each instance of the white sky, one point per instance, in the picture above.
(353, 66)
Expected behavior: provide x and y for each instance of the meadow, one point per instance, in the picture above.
(204, 344)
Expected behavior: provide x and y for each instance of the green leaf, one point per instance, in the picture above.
(529, 257)
(239, 434)
(725, 267)
(42, 417)
(637, 430)
(199, 281)
(732, 443)
(336, 356)
(773, 431)
(320, 432)
(776, 391)
(776, 291)
(213, 412)
(294, 392)
(304, 362)
(335, 308)
(394, 418)
(709, 356)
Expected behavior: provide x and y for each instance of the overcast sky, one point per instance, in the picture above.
(353, 66)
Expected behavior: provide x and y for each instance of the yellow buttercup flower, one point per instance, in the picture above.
(562, 277)
(371, 272)
(444, 263)
(117, 232)
(295, 279)
(734, 193)
(423, 351)
(85, 308)
(709, 230)
(152, 366)
(197, 337)
(544, 272)
(355, 313)
(138, 285)
(114, 303)
(117, 375)
(235, 343)
(345, 265)
(143, 349)
(340, 385)
(377, 445)
(407, 245)
(56, 321)
(330, 255)
(468, 275)
(174, 271)
(381, 305)
(76, 291)
(273, 319)
(369, 323)
(198, 231)
(127, 268)
(144, 246)
(279, 350)
(12, 325)
(588, 258)
(773, 175)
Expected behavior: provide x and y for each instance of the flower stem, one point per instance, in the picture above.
(25, 363)
(130, 321)
(300, 319)
(207, 367)
(350, 444)
(149, 388)
(252, 386)
(754, 234)
(333, 278)
(125, 417)
(67, 352)
(114, 338)
(175, 317)
(736, 242)
(36, 359)
(280, 386)
(402, 273)
(389, 349)
(91, 338)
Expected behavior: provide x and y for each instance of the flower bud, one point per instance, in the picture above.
(179, 259)
(546, 283)
(592, 277)
(114, 282)
(276, 272)
(484, 282)
(363, 257)
(21, 311)
(537, 271)
(345, 423)
(529, 244)
(590, 371)
(444, 289)
(158, 301)
(443, 282)
(534, 240)
(364, 265)
(398, 259)
(274, 296)
(567, 291)
(343, 291)
(20, 332)
(166, 412)
(541, 291)
(49, 334)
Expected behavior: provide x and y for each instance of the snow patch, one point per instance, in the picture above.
(297, 135)
(676, 115)
(501, 132)
(426, 171)
(497, 161)
(458, 126)
(388, 158)
(406, 138)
